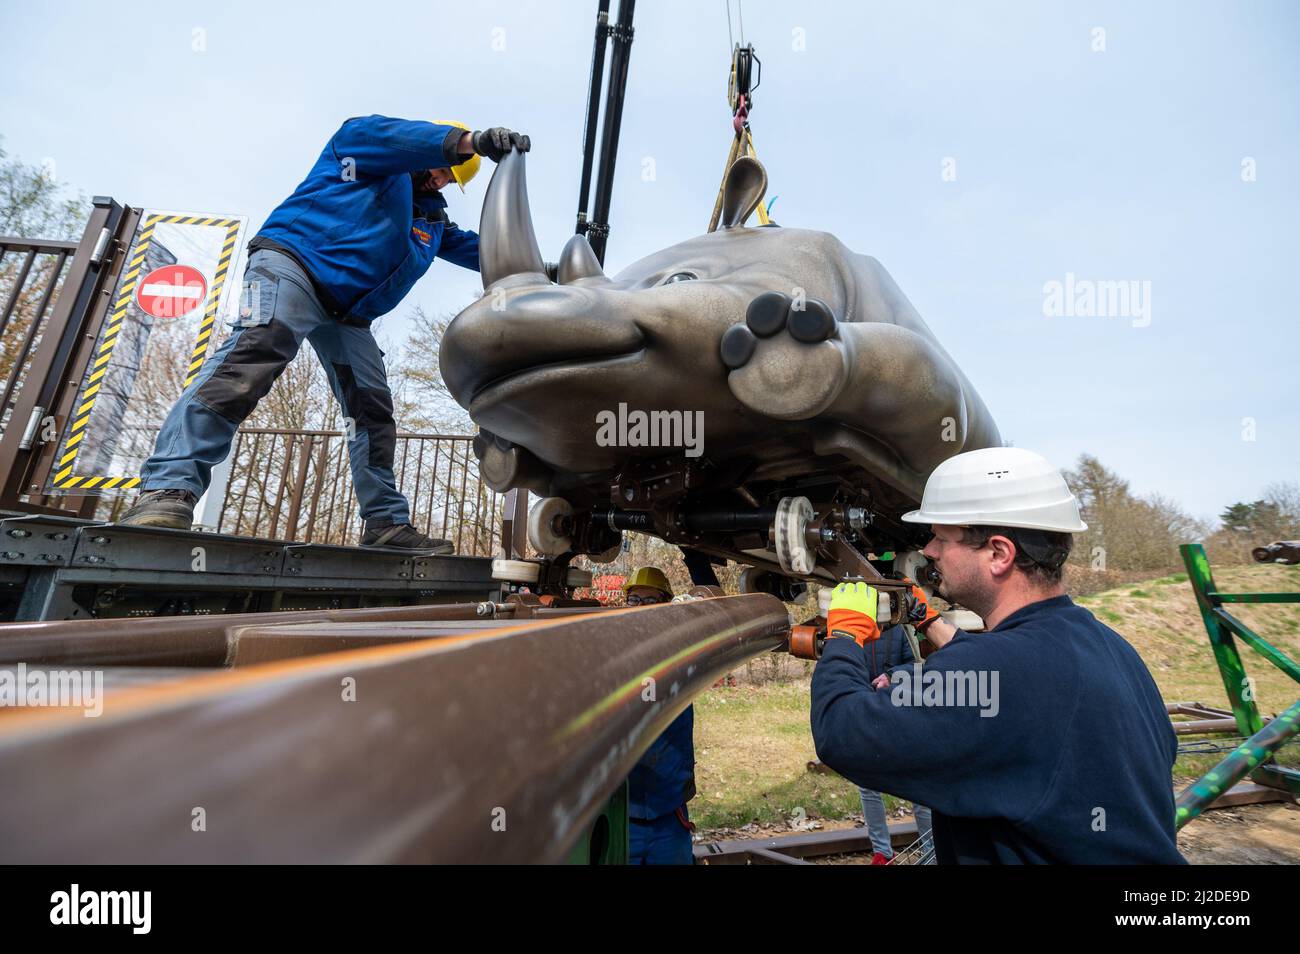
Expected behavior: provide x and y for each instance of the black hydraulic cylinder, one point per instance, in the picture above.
(729, 520)
(593, 112)
(623, 519)
(716, 520)
(618, 63)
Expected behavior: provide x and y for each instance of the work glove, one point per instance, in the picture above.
(852, 613)
(919, 611)
(496, 143)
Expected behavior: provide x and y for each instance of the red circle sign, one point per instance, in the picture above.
(172, 291)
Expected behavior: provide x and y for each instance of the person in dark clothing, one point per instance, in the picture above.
(891, 650)
(1043, 739)
(663, 780)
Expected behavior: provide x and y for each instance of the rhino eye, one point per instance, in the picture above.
(679, 277)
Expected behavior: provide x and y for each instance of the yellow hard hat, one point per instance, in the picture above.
(650, 576)
(468, 169)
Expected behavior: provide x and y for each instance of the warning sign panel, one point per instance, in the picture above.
(162, 323)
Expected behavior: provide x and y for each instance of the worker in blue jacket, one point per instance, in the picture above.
(1041, 740)
(663, 781)
(341, 251)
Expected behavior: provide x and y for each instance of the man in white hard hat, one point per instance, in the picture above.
(1041, 740)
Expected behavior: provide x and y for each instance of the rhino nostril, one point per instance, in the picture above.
(738, 344)
(812, 323)
(766, 313)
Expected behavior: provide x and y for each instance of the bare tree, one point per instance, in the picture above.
(1125, 531)
(415, 374)
(34, 205)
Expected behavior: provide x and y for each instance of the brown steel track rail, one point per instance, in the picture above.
(470, 739)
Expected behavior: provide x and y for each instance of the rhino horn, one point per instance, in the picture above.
(578, 260)
(507, 242)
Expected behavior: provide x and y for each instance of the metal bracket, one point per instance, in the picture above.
(115, 547)
(39, 540)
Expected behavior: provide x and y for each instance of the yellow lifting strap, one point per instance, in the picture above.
(741, 145)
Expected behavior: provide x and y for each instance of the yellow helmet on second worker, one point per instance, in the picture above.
(650, 576)
(468, 169)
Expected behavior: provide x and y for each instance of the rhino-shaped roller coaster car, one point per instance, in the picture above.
(826, 400)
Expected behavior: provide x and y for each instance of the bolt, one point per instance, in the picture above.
(59, 536)
(94, 559)
(19, 533)
(100, 540)
(12, 554)
(629, 494)
(295, 569)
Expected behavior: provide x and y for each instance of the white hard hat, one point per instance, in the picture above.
(999, 487)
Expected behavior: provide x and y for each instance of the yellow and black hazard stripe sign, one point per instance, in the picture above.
(203, 343)
(64, 477)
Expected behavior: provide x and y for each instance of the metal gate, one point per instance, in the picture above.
(283, 484)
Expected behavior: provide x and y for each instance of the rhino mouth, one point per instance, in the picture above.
(519, 376)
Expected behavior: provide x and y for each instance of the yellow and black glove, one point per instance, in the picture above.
(852, 613)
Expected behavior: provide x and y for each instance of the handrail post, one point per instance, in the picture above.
(1236, 683)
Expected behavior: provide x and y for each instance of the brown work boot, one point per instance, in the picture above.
(403, 536)
(171, 509)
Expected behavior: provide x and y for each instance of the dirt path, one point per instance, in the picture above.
(1247, 835)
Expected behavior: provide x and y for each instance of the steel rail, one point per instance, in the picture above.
(192, 640)
(499, 746)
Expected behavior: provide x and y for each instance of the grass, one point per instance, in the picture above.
(753, 742)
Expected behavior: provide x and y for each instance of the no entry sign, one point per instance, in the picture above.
(172, 291)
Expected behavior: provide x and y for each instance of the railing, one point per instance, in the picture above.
(1255, 756)
(296, 485)
(31, 272)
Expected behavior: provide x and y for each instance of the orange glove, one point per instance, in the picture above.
(919, 612)
(852, 613)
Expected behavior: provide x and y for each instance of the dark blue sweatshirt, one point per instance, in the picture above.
(1070, 761)
(888, 652)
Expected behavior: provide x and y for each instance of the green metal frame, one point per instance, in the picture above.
(1255, 756)
(606, 841)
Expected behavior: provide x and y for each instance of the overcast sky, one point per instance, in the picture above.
(981, 151)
